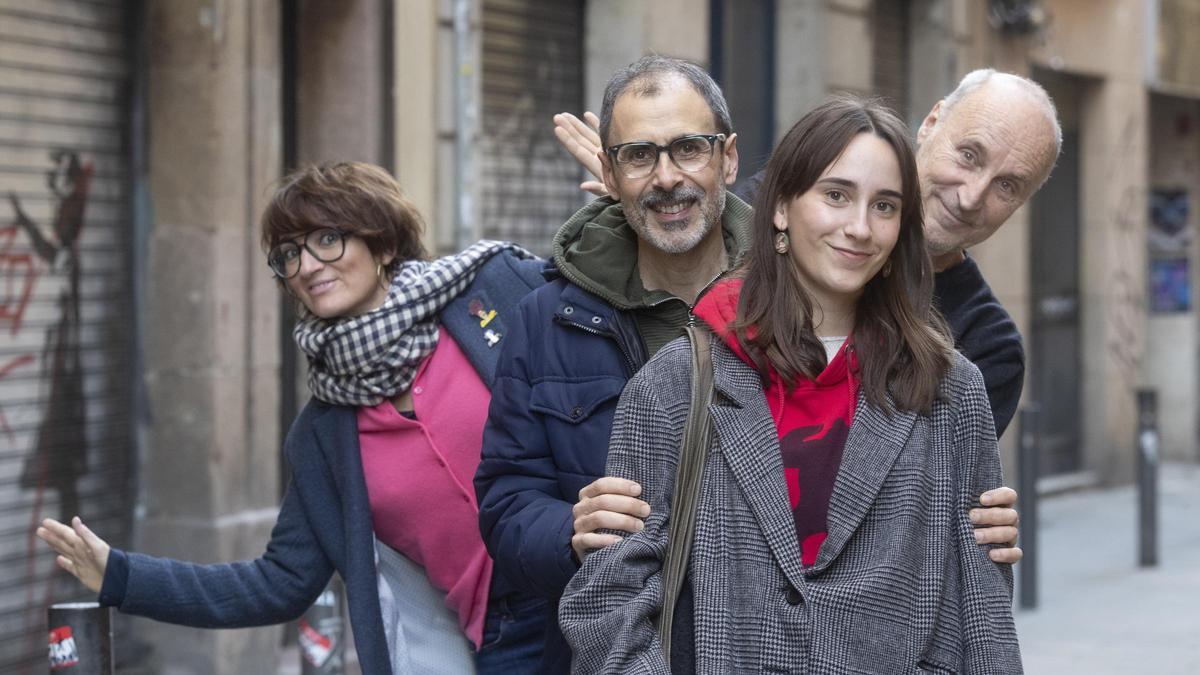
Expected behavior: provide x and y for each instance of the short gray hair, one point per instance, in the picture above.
(974, 80)
(645, 77)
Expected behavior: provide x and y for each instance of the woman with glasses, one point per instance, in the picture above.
(401, 353)
(849, 442)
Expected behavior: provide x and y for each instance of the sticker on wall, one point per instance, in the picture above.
(63, 652)
(1170, 234)
(1170, 286)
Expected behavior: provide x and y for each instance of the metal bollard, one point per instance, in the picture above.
(80, 641)
(1147, 444)
(1027, 470)
(322, 641)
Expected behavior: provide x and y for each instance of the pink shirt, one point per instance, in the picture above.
(419, 473)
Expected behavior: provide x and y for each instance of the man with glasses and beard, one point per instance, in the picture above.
(628, 268)
(627, 271)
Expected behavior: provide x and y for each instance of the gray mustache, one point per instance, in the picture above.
(680, 194)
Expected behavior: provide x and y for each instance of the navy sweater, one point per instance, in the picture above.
(985, 334)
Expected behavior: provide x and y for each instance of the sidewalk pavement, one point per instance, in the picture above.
(1098, 612)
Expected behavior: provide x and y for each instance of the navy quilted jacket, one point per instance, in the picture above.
(568, 356)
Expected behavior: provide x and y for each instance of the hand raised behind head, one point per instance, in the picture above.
(582, 140)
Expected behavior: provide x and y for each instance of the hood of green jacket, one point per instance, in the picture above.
(597, 250)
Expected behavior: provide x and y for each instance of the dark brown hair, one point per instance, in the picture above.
(645, 77)
(356, 198)
(901, 341)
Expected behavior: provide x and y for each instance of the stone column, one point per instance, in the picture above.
(848, 22)
(340, 95)
(416, 94)
(1114, 160)
(800, 71)
(209, 470)
(619, 32)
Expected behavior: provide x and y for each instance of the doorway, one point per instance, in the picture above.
(1054, 363)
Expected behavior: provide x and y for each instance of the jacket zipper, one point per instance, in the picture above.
(620, 345)
(691, 320)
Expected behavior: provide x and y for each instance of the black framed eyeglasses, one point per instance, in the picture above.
(326, 244)
(639, 158)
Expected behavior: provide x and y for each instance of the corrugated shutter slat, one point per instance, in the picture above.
(66, 442)
(532, 69)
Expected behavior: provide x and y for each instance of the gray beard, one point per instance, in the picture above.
(711, 208)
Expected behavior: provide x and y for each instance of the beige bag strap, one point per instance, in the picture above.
(693, 452)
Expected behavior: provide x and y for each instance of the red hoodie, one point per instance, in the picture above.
(812, 421)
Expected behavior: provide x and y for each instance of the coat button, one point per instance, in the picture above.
(576, 412)
(596, 320)
(568, 310)
(793, 597)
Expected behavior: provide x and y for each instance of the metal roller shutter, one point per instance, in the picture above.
(65, 312)
(532, 69)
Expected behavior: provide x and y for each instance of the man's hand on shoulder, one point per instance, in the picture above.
(607, 503)
(996, 523)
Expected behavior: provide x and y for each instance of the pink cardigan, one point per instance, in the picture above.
(419, 475)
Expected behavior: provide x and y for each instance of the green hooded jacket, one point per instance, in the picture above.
(597, 250)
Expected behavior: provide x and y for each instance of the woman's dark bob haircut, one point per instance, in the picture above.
(359, 199)
(900, 341)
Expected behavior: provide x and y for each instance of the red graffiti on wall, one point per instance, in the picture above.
(18, 276)
(58, 458)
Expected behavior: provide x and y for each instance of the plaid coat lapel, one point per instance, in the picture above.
(750, 443)
(874, 443)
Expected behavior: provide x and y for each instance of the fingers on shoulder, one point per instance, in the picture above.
(609, 485)
(608, 520)
(1005, 535)
(1008, 555)
(1001, 496)
(994, 516)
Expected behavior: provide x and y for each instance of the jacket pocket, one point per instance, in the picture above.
(927, 666)
(576, 400)
(879, 642)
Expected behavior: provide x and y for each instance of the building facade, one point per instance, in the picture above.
(146, 371)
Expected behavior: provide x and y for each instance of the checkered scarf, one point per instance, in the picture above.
(366, 359)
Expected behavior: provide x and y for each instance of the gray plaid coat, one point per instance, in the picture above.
(899, 585)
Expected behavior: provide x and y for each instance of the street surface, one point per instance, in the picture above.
(1098, 612)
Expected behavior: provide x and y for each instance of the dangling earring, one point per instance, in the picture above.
(887, 269)
(380, 278)
(782, 242)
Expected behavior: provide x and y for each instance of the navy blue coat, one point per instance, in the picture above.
(567, 359)
(324, 522)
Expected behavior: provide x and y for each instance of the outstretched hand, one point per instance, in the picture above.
(80, 551)
(582, 140)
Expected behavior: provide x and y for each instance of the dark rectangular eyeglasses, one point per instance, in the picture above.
(639, 158)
